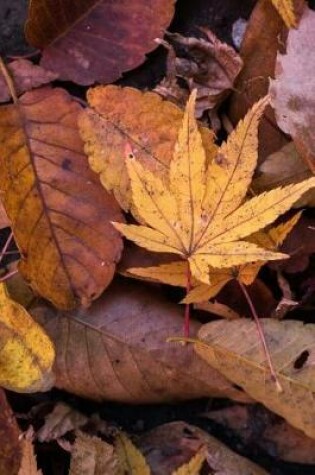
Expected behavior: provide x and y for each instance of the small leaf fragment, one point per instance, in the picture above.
(286, 11)
(130, 459)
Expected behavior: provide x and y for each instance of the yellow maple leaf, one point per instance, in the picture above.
(201, 215)
(286, 11)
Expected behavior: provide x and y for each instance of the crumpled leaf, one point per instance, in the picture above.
(130, 459)
(233, 348)
(10, 448)
(26, 352)
(293, 90)
(61, 420)
(117, 350)
(59, 213)
(282, 168)
(95, 40)
(158, 448)
(28, 462)
(26, 76)
(118, 116)
(200, 214)
(92, 456)
(208, 65)
(259, 428)
(286, 11)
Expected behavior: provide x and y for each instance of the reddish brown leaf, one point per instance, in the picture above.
(117, 350)
(96, 40)
(10, 447)
(26, 76)
(60, 214)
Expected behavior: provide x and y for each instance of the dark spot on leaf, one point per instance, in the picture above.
(236, 386)
(66, 164)
(301, 360)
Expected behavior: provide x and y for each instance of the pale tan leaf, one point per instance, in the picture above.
(92, 456)
(28, 463)
(233, 348)
(130, 459)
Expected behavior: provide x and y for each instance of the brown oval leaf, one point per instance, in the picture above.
(10, 447)
(117, 350)
(118, 116)
(96, 40)
(60, 214)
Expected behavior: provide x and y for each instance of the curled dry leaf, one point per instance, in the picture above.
(119, 116)
(208, 65)
(117, 350)
(92, 456)
(233, 348)
(26, 76)
(60, 214)
(259, 428)
(293, 90)
(61, 420)
(200, 214)
(10, 448)
(26, 352)
(95, 40)
(158, 448)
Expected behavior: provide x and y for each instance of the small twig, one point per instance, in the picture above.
(187, 306)
(5, 247)
(261, 336)
(9, 275)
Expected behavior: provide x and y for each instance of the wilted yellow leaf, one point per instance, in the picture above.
(130, 459)
(26, 352)
(286, 11)
(232, 347)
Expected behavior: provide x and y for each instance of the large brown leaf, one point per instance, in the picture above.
(96, 40)
(118, 116)
(117, 350)
(59, 212)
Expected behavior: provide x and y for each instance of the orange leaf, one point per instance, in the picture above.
(59, 212)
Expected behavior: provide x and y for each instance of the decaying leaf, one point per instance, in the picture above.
(10, 447)
(158, 448)
(286, 11)
(61, 420)
(28, 462)
(92, 456)
(118, 116)
(293, 90)
(26, 76)
(259, 428)
(95, 40)
(59, 212)
(193, 467)
(200, 214)
(130, 459)
(233, 348)
(4, 220)
(117, 350)
(26, 352)
(208, 65)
